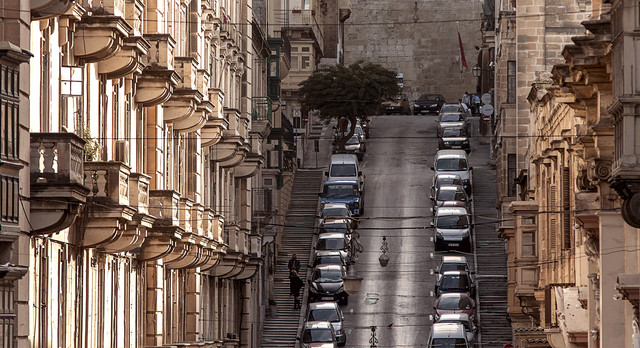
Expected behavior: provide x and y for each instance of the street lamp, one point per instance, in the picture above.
(477, 70)
(351, 281)
(384, 258)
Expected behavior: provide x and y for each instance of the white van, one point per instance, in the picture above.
(344, 167)
(448, 335)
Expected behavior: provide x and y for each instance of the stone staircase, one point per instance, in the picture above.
(491, 266)
(280, 331)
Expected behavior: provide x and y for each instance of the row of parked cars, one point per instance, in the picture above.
(342, 199)
(357, 143)
(451, 196)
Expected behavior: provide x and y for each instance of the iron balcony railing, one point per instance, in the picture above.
(261, 109)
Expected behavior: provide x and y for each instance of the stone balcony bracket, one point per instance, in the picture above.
(231, 264)
(226, 149)
(165, 234)
(252, 162)
(128, 59)
(212, 131)
(99, 37)
(180, 110)
(629, 286)
(57, 184)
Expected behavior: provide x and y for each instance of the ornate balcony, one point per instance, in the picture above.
(253, 160)
(166, 232)
(136, 229)
(216, 124)
(190, 249)
(180, 109)
(101, 30)
(255, 258)
(158, 79)
(42, 9)
(128, 60)
(261, 116)
(108, 202)
(231, 149)
(57, 183)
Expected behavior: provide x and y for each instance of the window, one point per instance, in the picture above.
(528, 243)
(305, 49)
(306, 62)
(294, 63)
(511, 81)
(9, 199)
(566, 209)
(7, 315)
(511, 175)
(71, 99)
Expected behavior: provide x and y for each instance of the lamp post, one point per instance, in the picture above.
(351, 281)
(384, 258)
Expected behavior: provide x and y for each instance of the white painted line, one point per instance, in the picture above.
(431, 293)
(431, 317)
(431, 254)
(431, 239)
(431, 271)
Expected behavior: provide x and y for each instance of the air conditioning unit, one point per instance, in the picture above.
(121, 153)
(232, 336)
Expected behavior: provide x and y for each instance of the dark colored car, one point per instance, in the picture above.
(454, 138)
(428, 103)
(326, 284)
(455, 302)
(455, 281)
(450, 193)
(344, 191)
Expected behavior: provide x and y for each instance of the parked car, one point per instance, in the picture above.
(328, 257)
(448, 335)
(334, 242)
(453, 263)
(318, 334)
(460, 318)
(344, 167)
(326, 284)
(335, 225)
(452, 229)
(455, 281)
(455, 302)
(331, 312)
(454, 195)
(428, 103)
(451, 107)
(444, 179)
(452, 119)
(398, 105)
(454, 138)
(344, 191)
(454, 162)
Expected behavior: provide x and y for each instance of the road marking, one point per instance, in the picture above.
(431, 239)
(431, 317)
(431, 254)
(431, 293)
(431, 271)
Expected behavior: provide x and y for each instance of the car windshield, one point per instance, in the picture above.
(328, 260)
(448, 343)
(464, 323)
(452, 222)
(426, 97)
(358, 130)
(454, 282)
(451, 195)
(335, 212)
(450, 108)
(343, 170)
(317, 335)
(331, 244)
(454, 303)
(452, 132)
(448, 180)
(451, 118)
(353, 140)
(340, 190)
(451, 164)
(333, 228)
(453, 267)
(327, 276)
(330, 314)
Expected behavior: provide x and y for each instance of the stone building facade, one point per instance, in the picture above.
(419, 40)
(573, 266)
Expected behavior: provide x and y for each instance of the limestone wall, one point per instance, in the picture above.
(426, 51)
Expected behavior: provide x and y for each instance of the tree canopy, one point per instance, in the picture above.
(353, 91)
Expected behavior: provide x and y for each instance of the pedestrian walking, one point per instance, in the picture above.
(295, 284)
(475, 100)
(465, 99)
(294, 264)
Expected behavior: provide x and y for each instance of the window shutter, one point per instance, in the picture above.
(566, 207)
(552, 208)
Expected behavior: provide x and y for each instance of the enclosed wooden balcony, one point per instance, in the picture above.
(163, 237)
(158, 79)
(57, 181)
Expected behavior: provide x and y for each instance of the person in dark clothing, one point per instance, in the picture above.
(295, 284)
(294, 264)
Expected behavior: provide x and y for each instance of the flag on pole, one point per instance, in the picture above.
(463, 60)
